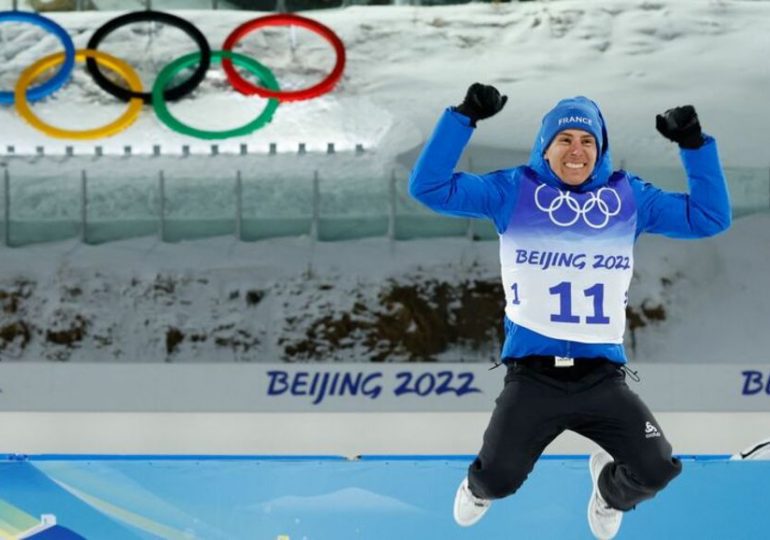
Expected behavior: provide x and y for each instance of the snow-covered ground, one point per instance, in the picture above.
(218, 299)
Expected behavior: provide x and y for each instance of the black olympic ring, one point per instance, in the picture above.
(594, 201)
(169, 94)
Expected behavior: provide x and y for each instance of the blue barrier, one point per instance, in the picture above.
(372, 498)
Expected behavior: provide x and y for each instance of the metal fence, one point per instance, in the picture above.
(175, 208)
(97, 209)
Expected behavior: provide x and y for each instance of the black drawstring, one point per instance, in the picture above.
(757, 448)
(496, 365)
(630, 372)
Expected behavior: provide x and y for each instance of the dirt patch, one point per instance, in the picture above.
(254, 297)
(11, 298)
(411, 322)
(174, 337)
(10, 333)
(69, 336)
(639, 317)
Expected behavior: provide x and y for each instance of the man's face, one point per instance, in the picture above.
(572, 156)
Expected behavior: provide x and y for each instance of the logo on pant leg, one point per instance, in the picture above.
(650, 430)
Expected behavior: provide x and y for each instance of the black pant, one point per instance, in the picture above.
(540, 401)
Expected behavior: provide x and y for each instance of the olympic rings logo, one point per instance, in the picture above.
(596, 203)
(161, 93)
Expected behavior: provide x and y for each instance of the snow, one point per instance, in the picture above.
(236, 301)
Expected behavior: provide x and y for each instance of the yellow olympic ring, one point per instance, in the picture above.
(110, 62)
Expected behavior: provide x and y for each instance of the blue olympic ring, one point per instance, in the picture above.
(57, 81)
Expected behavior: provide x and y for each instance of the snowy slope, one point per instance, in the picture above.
(634, 57)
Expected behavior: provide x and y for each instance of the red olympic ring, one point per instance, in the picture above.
(284, 19)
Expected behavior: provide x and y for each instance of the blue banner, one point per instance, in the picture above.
(125, 498)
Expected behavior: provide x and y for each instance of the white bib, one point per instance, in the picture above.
(567, 260)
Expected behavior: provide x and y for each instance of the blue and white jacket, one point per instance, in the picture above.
(545, 226)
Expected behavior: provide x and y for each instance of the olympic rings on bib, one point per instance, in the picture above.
(161, 109)
(593, 204)
(118, 66)
(170, 94)
(285, 19)
(57, 81)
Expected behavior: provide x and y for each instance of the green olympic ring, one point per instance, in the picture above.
(167, 74)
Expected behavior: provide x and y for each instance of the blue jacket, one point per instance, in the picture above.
(705, 211)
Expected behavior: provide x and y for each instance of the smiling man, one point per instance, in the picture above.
(567, 225)
(572, 156)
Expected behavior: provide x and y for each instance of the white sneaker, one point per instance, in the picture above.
(602, 518)
(468, 508)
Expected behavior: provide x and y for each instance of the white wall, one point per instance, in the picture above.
(347, 434)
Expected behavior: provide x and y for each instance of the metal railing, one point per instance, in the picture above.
(96, 208)
(176, 208)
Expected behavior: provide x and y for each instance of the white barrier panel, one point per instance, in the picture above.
(335, 409)
(341, 434)
(60, 387)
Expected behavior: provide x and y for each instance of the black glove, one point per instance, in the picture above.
(481, 101)
(681, 125)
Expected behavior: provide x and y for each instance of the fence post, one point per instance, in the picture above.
(15, 5)
(238, 206)
(315, 223)
(7, 208)
(162, 205)
(83, 207)
(392, 206)
(470, 233)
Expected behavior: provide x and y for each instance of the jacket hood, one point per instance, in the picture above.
(573, 113)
